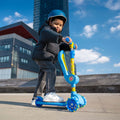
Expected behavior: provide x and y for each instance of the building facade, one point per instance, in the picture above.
(15, 57)
(42, 9)
(16, 45)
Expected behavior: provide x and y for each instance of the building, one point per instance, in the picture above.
(42, 9)
(16, 44)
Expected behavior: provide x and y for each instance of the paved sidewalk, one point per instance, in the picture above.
(100, 106)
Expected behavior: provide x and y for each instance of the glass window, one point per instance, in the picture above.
(45, 6)
(4, 59)
(30, 52)
(24, 61)
(21, 60)
(20, 48)
(23, 50)
(8, 46)
(5, 47)
(26, 51)
(7, 58)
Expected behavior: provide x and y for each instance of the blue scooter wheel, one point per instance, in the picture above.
(72, 104)
(85, 102)
(38, 101)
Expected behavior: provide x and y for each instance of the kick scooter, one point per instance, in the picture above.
(76, 100)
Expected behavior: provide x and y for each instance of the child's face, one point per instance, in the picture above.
(58, 24)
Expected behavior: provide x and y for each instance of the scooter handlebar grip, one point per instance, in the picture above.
(67, 39)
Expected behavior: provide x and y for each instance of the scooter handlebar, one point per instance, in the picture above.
(67, 39)
(72, 46)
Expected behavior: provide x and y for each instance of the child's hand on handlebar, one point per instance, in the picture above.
(64, 40)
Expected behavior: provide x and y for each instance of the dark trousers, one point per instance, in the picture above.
(46, 76)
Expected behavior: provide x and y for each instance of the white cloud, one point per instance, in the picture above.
(78, 73)
(101, 59)
(8, 19)
(116, 19)
(78, 2)
(15, 18)
(30, 25)
(113, 5)
(80, 13)
(89, 70)
(86, 55)
(117, 65)
(77, 12)
(22, 19)
(17, 14)
(89, 56)
(114, 29)
(89, 30)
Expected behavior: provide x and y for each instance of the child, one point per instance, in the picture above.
(45, 54)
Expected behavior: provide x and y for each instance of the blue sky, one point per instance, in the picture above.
(94, 26)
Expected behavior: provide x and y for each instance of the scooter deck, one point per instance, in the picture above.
(52, 103)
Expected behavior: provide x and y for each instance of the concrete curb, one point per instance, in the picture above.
(81, 89)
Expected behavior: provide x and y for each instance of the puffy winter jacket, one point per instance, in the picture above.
(49, 44)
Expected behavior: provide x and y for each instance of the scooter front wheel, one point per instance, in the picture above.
(38, 101)
(72, 104)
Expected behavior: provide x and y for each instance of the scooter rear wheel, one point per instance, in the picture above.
(38, 101)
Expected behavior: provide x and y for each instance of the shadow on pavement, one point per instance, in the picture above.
(16, 103)
(54, 108)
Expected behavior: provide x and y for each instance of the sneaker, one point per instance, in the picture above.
(33, 102)
(52, 97)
